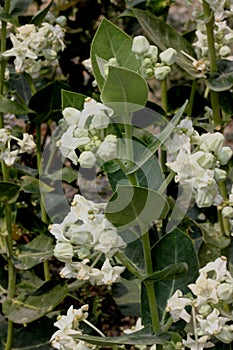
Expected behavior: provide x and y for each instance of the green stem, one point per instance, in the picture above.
(42, 204)
(191, 99)
(164, 95)
(224, 222)
(150, 284)
(129, 265)
(129, 152)
(209, 23)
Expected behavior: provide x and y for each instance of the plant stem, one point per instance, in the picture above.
(150, 284)
(42, 204)
(129, 265)
(209, 23)
(191, 99)
(224, 222)
(164, 95)
(5, 171)
(129, 152)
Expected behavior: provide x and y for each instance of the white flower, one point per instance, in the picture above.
(9, 157)
(176, 306)
(138, 326)
(111, 274)
(212, 324)
(110, 242)
(21, 51)
(205, 289)
(224, 155)
(4, 137)
(27, 144)
(199, 344)
(87, 159)
(218, 268)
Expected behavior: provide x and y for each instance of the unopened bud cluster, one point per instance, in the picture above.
(153, 65)
(208, 309)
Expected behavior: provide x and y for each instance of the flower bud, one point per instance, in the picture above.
(224, 51)
(162, 72)
(71, 115)
(87, 159)
(107, 150)
(226, 334)
(50, 54)
(224, 155)
(61, 20)
(99, 121)
(204, 310)
(153, 53)
(225, 291)
(220, 174)
(63, 251)
(227, 212)
(168, 56)
(211, 142)
(205, 160)
(140, 45)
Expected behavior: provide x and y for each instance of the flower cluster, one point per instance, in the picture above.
(199, 167)
(69, 326)
(223, 34)
(208, 309)
(148, 56)
(35, 47)
(84, 235)
(86, 132)
(9, 156)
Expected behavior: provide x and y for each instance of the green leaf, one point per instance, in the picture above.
(30, 221)
(164, 36)
(126, 294)
(31, 306)
(170, 272)
(125, 91)
(223, 79)
(51, 106)
(9, 192)
(158, 140)
(72, 99)
(174, 248)
(35, 335)
(132, 339)
(12, 107)
(9, 19)
(35, 252)
(40, 16)
(19, 6)
(31, 184)
(131, 205)
(110, 41)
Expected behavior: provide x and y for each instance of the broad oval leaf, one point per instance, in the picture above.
(35, 252)
(13, 107)
(31, 306)
(9, 192)
(130, 206)
(223, 79)
(164, 36)
(110, 41)
(125, 91)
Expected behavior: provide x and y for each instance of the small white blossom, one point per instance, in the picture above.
(176, 306)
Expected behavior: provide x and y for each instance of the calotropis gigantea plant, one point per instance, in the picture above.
(175, 247)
